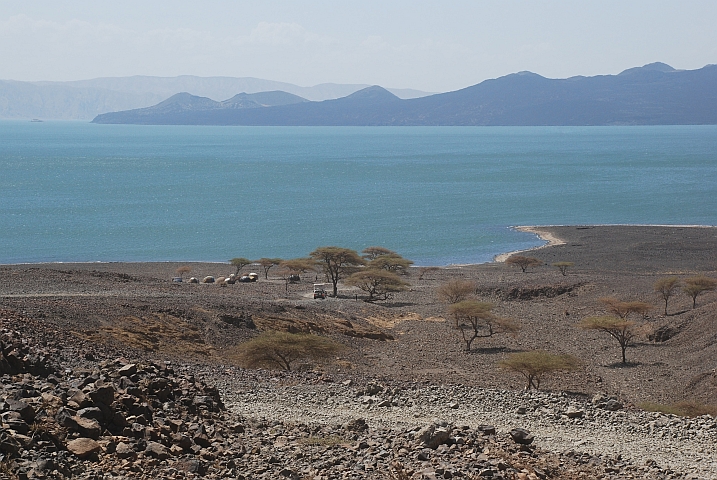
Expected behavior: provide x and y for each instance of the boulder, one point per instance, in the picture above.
(157, 450)
(83, 447)
(521, 436)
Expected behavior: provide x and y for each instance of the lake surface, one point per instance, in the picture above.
(72, 191)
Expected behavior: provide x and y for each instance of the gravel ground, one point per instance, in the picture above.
(685, 446)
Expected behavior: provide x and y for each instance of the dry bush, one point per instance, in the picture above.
(281, 349)
(534, 365)
(455, 291)
(687, 408)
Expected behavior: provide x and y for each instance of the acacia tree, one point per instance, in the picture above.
(563, 266)
(281, 349)
(378, 284)
(666, 287)
(533, 365)
(336, 262)
(267, 264)
(288, 269)
(523, 262)
(623, 309)
(240, 263)
(475, 320)
(184, 269)
(372, 253)
(392, 263)
(696, 285)
(618, 328)
(455, 291)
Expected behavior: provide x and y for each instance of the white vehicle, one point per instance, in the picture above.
(320, 290)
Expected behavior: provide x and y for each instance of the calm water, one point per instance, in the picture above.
(83, 192)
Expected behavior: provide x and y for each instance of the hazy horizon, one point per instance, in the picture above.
(427, 46)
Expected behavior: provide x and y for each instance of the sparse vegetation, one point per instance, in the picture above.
(618, 328)
(475, 320)
(424, 270)
(563, 267)
(682, 409)
(455, 291)
(666, 288)
(694, 286)
(336, 263)
(281, 350)
(523, 262)
(538, 363)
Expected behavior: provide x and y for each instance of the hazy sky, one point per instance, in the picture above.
(428, 45)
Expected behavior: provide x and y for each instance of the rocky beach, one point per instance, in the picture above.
(115, 371)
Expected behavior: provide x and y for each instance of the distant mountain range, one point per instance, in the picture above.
(655, 94)
(85, 99)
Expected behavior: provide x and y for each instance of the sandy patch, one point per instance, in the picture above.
(548, 237)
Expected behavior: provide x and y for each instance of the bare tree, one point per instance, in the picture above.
(666, 287)
(563, 266)
(378, 284)
(535, 364)
(475, 320)
(697, 285)
(523, 262)
(336, 262)
(618, 328)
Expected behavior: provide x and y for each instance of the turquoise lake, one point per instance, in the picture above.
(72, 191)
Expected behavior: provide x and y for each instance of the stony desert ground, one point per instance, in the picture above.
(403, 367)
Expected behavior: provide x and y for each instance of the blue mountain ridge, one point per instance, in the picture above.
(655, 94)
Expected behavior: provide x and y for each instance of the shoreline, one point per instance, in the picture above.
(550, 239)
(540, 231)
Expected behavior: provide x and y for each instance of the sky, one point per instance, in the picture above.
(433, 46)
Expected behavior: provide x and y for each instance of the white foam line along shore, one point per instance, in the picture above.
(549, 238)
